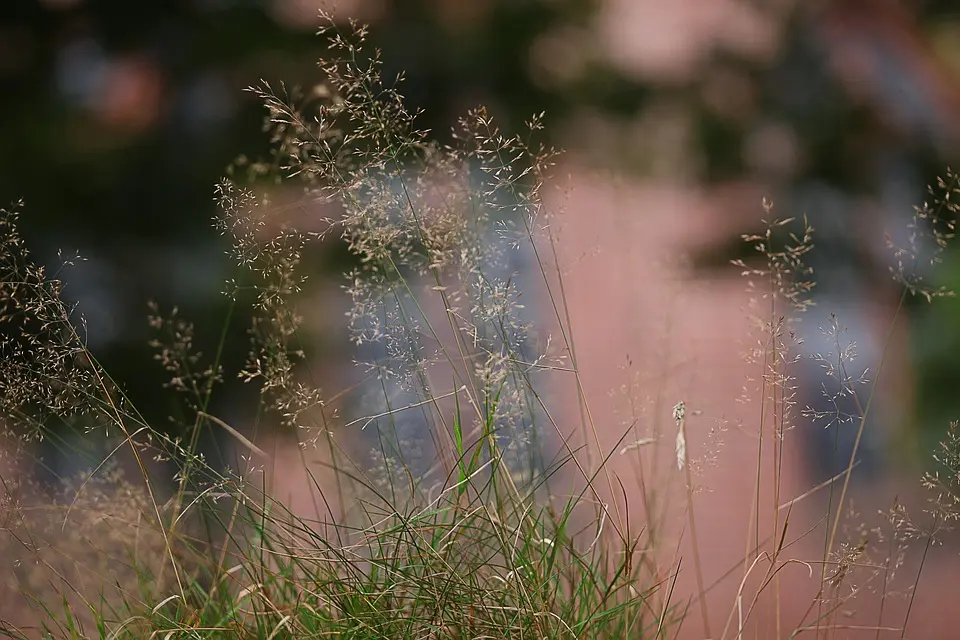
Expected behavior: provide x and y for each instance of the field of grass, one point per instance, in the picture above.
(491, 512)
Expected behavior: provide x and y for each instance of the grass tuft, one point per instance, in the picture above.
(454, 491)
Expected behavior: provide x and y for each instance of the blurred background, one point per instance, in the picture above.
(119, 118)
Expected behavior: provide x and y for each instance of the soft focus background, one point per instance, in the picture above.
(119, 117)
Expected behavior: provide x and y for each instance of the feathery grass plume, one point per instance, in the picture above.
(857, 559)
(45, 370)
(443, 530)
(49, 381)
(436, 232)
(929, 232)
(779, 282)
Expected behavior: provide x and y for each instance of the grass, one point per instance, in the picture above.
(478, 500)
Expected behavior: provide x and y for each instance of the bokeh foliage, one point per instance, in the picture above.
(120, 117)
